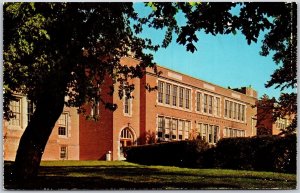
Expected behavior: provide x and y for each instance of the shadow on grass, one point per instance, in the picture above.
(102, 178)
(127, 177)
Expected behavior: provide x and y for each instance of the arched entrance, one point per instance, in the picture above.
(126, 139)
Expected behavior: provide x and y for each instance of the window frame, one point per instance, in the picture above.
(63, 126)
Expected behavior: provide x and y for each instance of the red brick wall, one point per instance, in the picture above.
(95, 137)
(120, 120)
(13, 134)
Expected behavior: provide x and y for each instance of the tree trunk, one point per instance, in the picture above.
(34, 139)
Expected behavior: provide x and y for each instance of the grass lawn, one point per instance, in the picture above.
(91, 175)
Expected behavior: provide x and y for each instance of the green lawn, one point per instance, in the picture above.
(123, 175)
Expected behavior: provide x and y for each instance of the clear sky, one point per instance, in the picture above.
(225, 60)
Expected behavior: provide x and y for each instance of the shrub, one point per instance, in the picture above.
(178, 153)
(268, 153)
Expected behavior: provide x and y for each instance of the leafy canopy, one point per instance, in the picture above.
(70, 47)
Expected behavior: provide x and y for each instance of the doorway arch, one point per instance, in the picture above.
(126, 138)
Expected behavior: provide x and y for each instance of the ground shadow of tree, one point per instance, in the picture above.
(101, 178)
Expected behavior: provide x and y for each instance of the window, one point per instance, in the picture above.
(181, 96)
(160, 127)
(198, 101)
(126, 134)
(204, 132)
(242, 133)
(218, 106)
(174, 128)
(168, 125)
(210, 134)
(95, 108)
(187, 98)
(234, 110)
(243, 112)
(234, 133)
(230, 109)
(168, 93)
(62, 124)
(226, 108)
(127, 102)
(199, 127)
(127, 105)
(180, 129)
(15, 107)
(210, 104)
(160, 91)
(63, 152)
(30, 110)
(187, 128)
(225, 132)
(230, 132)
(175, 95)
(216, 134)
(205, 103)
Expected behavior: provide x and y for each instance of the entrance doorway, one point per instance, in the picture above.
(126, 140)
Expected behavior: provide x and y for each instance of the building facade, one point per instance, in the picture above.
(63, 143)
(181, 108)
(267, 124)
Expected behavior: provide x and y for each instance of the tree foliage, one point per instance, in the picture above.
(54, 50)
(279, 20)
(69, 45)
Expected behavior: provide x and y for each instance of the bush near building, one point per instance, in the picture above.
(264, 153)
(186, 153)
(267, 153)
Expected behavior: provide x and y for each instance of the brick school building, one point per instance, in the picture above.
(181, 108)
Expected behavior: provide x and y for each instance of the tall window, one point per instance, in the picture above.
(230, 109)
(187, 129)
(63, 152)
(226, 109)
(199, 129)
(210, 134)
(15, 107)
(160, 91)
(218, 106)
(180, 129)
(210, 104)
(127, 105)
(205, 108)
(174, 128)
(181, 96)
(234, 111)
(160, 127)
(30, 110)
(63, 124)
(198, 101)
(204, 132)
(168, 126)
(239, 112)
(168, 93)
(187, 98)
(95, 108)
(243, 112)
(175, 95)
(216, 133)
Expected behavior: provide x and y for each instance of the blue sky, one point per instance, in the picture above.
(225, 60)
